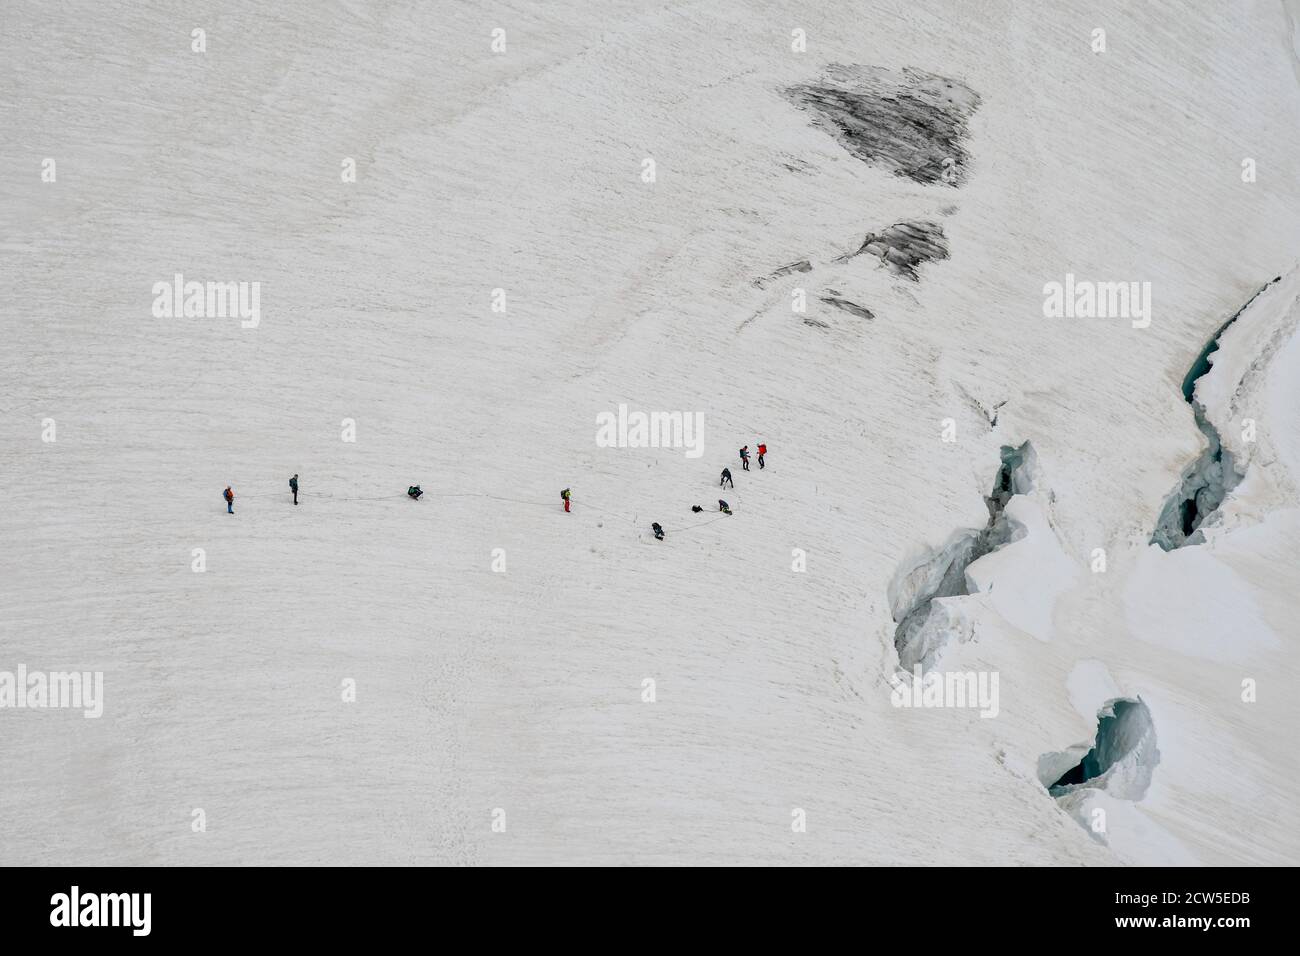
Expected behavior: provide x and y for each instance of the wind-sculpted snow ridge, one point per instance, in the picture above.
(1207, 481)
(927, 624)
(904, 246)
(911, 122)
(1122, 758)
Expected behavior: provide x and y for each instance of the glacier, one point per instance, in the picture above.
(464, 255)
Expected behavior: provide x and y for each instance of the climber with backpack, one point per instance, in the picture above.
(414, 492)
(659, 531)
(565, 495)
(724, 507)
(762, 450)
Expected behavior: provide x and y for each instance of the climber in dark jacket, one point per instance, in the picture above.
(724, 507)
(415, 492)
(293, 486)
(726, 479)
(659, 532)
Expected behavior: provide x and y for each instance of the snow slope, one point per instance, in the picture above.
(522, 690)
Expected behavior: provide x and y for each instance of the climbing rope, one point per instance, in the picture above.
(701, 524)
(584, 503)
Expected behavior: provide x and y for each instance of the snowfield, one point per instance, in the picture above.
(498, 649)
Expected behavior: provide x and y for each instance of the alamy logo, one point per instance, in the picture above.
(950, 689)
(179, 299)
(1085, 299)
(37, 690)
(653, 430)
(102, 909)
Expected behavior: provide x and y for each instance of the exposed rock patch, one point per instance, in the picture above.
(910, 122)
(850, 307)
(904, 246)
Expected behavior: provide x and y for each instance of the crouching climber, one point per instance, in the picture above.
(659, 532)
(724, 507)
(696, 508)
(415, 492)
